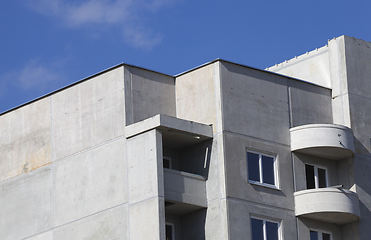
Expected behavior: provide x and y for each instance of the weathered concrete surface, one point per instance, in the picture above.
(195, 95)
(305, 99)
(110, 224)
(185, 187)
(147, 219)
(25, 139)
(90, 182)
(147, 94)
(43, 236)
(146, 186)
(253, 101)
(26, 205)
(240, 224)
(238, 186)
(312, 66)
(88, 114)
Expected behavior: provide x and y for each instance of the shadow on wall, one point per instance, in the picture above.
(362, 177)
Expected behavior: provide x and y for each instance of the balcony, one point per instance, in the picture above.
(328, 141)
(186, 192)
(332, 205)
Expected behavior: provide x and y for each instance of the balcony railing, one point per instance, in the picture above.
(329, 141)
(332, 205)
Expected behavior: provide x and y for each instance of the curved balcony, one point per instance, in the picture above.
(329, 141)
(332, 205)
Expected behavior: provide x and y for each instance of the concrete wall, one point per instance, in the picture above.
(64, 164)
(312, 66)
(147, 94)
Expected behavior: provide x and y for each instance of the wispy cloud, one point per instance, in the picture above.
(33, 75)
(127, 13)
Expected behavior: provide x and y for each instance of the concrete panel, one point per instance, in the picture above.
(216, 223)
(152, 93)
(361, 124)
(25, 139)
(110, 225)
(25, 205)
(43, 236)
(185, 187)
(215, 184)
(240, 213)
(309, 104)
(358, 67)
(236, 147)
(193, 225)
(147, 219)
(90, 182)
(312, 67)
(145, 166)
(255, 103)
(88, 114)
(195, 95)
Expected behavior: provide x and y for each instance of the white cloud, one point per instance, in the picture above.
(32, 76)
(127, 13)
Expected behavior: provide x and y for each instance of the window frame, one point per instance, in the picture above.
(265, 220)
(316, 178)
(170, 161)
(173, 227)
(275, 169)
(320, 233)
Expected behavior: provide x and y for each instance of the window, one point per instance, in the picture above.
(170, 233)
(262, 169)
(316, 177)
(262, 229)
(167, 162)
(319, 235)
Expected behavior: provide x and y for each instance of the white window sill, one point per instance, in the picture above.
(264, 185)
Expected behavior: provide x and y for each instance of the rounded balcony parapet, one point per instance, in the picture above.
(331, 141)
(334, 205)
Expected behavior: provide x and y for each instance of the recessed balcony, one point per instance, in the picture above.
(332, 205)
(186, 191)
(329, 141)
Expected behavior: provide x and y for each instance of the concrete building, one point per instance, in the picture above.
(222, 151)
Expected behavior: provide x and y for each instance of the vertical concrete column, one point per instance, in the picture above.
(146, 186)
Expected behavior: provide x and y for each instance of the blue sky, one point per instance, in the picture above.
(48, 44)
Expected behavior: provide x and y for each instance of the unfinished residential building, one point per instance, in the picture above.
(219, 152)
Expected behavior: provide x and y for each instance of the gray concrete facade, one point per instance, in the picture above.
(133, 154)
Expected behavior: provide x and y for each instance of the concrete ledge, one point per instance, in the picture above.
(176, 133)
(329, 141)
(332, 205)
(166, 122)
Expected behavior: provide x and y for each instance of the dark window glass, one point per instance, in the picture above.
(322, 178)
(272, 230)
(268, 170)
(169, 232)
(253, 166)
(313, 235)
(166, 163)
(257, 229)
(326, 236)
(309, 172)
